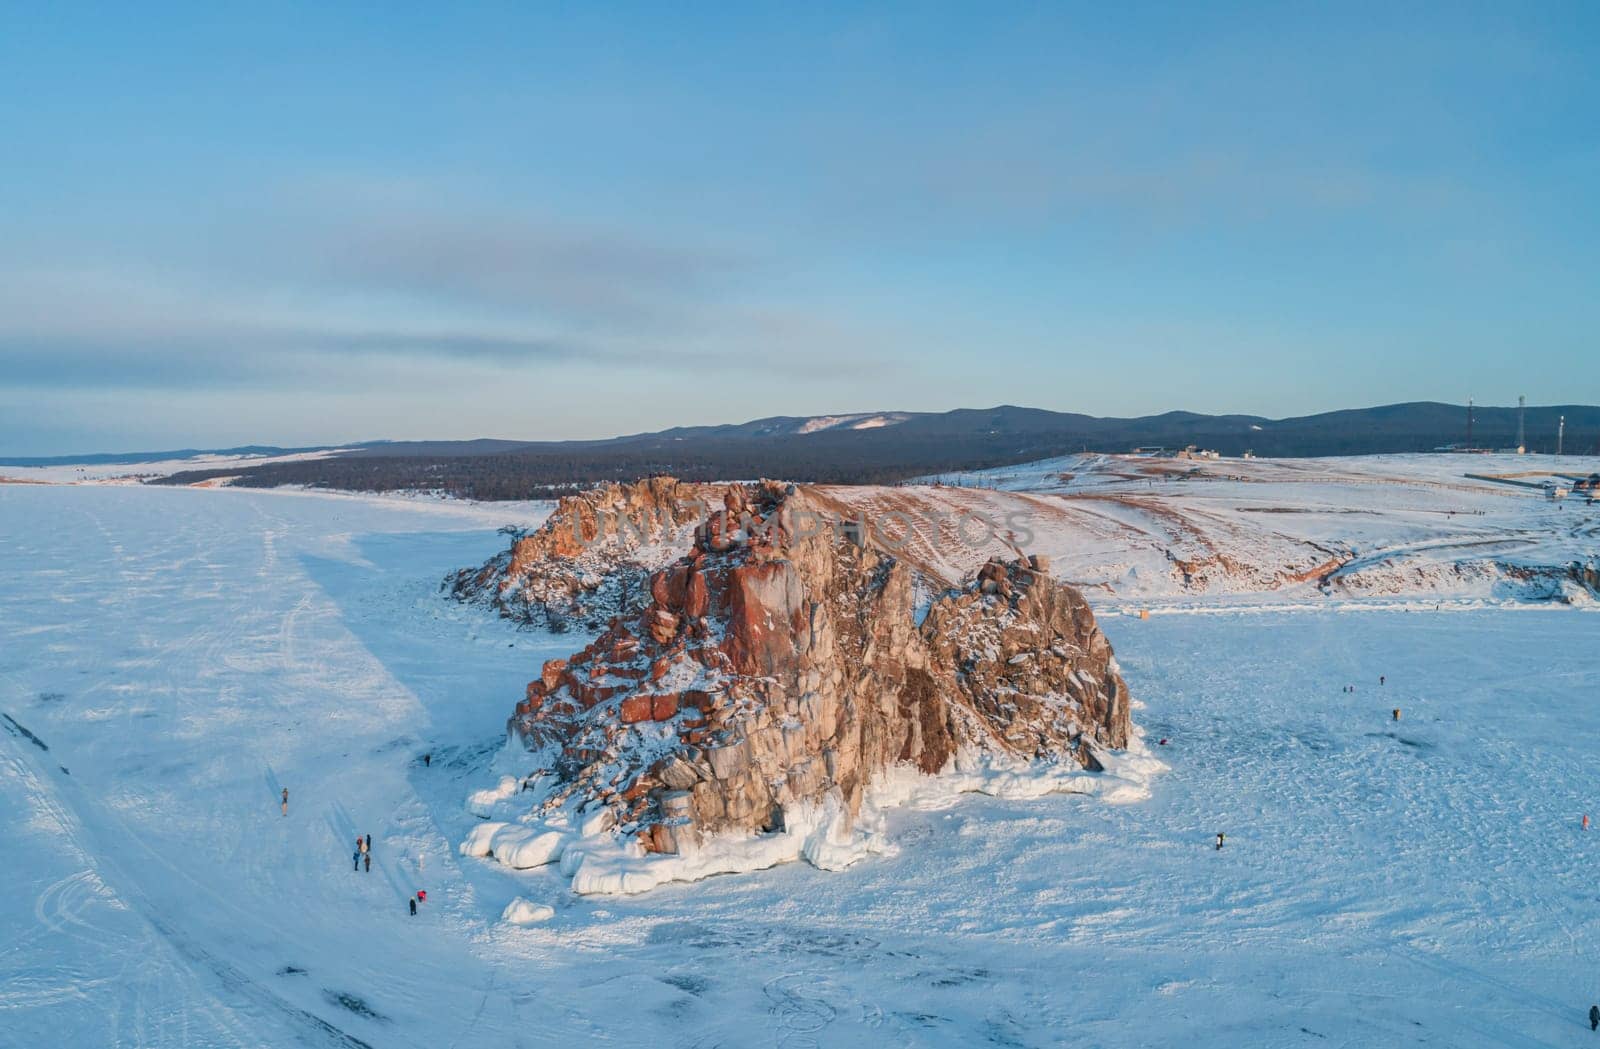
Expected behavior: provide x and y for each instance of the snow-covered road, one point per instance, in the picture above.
(171, 659)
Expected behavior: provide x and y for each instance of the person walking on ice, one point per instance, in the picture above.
(413, 906)
(356, 865)
(1220, 838)
(286, 801)
(1594, 1017)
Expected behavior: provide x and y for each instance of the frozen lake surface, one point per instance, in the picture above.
(170, 659)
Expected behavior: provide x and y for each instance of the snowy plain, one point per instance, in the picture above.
(170, 659)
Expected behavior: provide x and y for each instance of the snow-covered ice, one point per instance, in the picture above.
(170, 659)
(136, 472)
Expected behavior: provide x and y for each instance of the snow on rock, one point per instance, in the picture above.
(820, 834)
(479, 839)
(587, 561)
(597, 822)
(482, 802)
(521, 911)
(522, 847)
(823, 834)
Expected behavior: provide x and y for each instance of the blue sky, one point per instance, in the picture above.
(323, 223)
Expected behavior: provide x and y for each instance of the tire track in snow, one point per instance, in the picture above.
(257, 999)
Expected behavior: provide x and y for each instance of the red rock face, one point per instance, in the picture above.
(553, 669)
(766, 671)
(766, 621)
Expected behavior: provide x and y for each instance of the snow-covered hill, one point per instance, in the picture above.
(1165, 532)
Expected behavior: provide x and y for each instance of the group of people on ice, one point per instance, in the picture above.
(1351, 688)
(361, 859)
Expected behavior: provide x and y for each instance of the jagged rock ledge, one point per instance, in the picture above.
(774, 693)
(591, 558)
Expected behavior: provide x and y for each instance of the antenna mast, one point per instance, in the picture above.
(1561, 432)
(1469, 424)
(1522, 437)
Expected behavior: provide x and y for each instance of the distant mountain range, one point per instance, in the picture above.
(882, 447)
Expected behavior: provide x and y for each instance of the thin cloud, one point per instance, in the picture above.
(318, 282)
(592, 276)
(115, 347)
(248, 357)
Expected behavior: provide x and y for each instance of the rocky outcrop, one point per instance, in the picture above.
(1029, 658)
(592, 557)
(1586, 576)
(779, 663)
